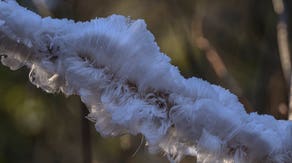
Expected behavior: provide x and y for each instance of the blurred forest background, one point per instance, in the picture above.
(228, 42)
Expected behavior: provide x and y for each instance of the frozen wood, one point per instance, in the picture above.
(129, 86)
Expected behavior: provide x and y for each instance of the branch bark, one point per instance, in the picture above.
(283, 46)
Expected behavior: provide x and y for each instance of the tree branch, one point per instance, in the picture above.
(129, 86)
(283, 46)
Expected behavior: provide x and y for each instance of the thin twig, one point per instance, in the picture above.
(42, 7)
(214, 59)
(283, 45)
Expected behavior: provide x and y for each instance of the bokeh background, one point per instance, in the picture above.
(232, 43)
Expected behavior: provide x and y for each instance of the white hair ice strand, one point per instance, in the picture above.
(129, 86)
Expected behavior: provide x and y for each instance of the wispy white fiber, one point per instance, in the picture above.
(129, 86)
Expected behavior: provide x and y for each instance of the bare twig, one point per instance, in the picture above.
(216, 62)
(282, 34)
(42, 7)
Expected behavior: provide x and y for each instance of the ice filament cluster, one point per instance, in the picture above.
(129, 86)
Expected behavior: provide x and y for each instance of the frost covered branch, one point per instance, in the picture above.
(129, 86)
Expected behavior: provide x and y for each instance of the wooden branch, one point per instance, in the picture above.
(129, 86)
(283, 46)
